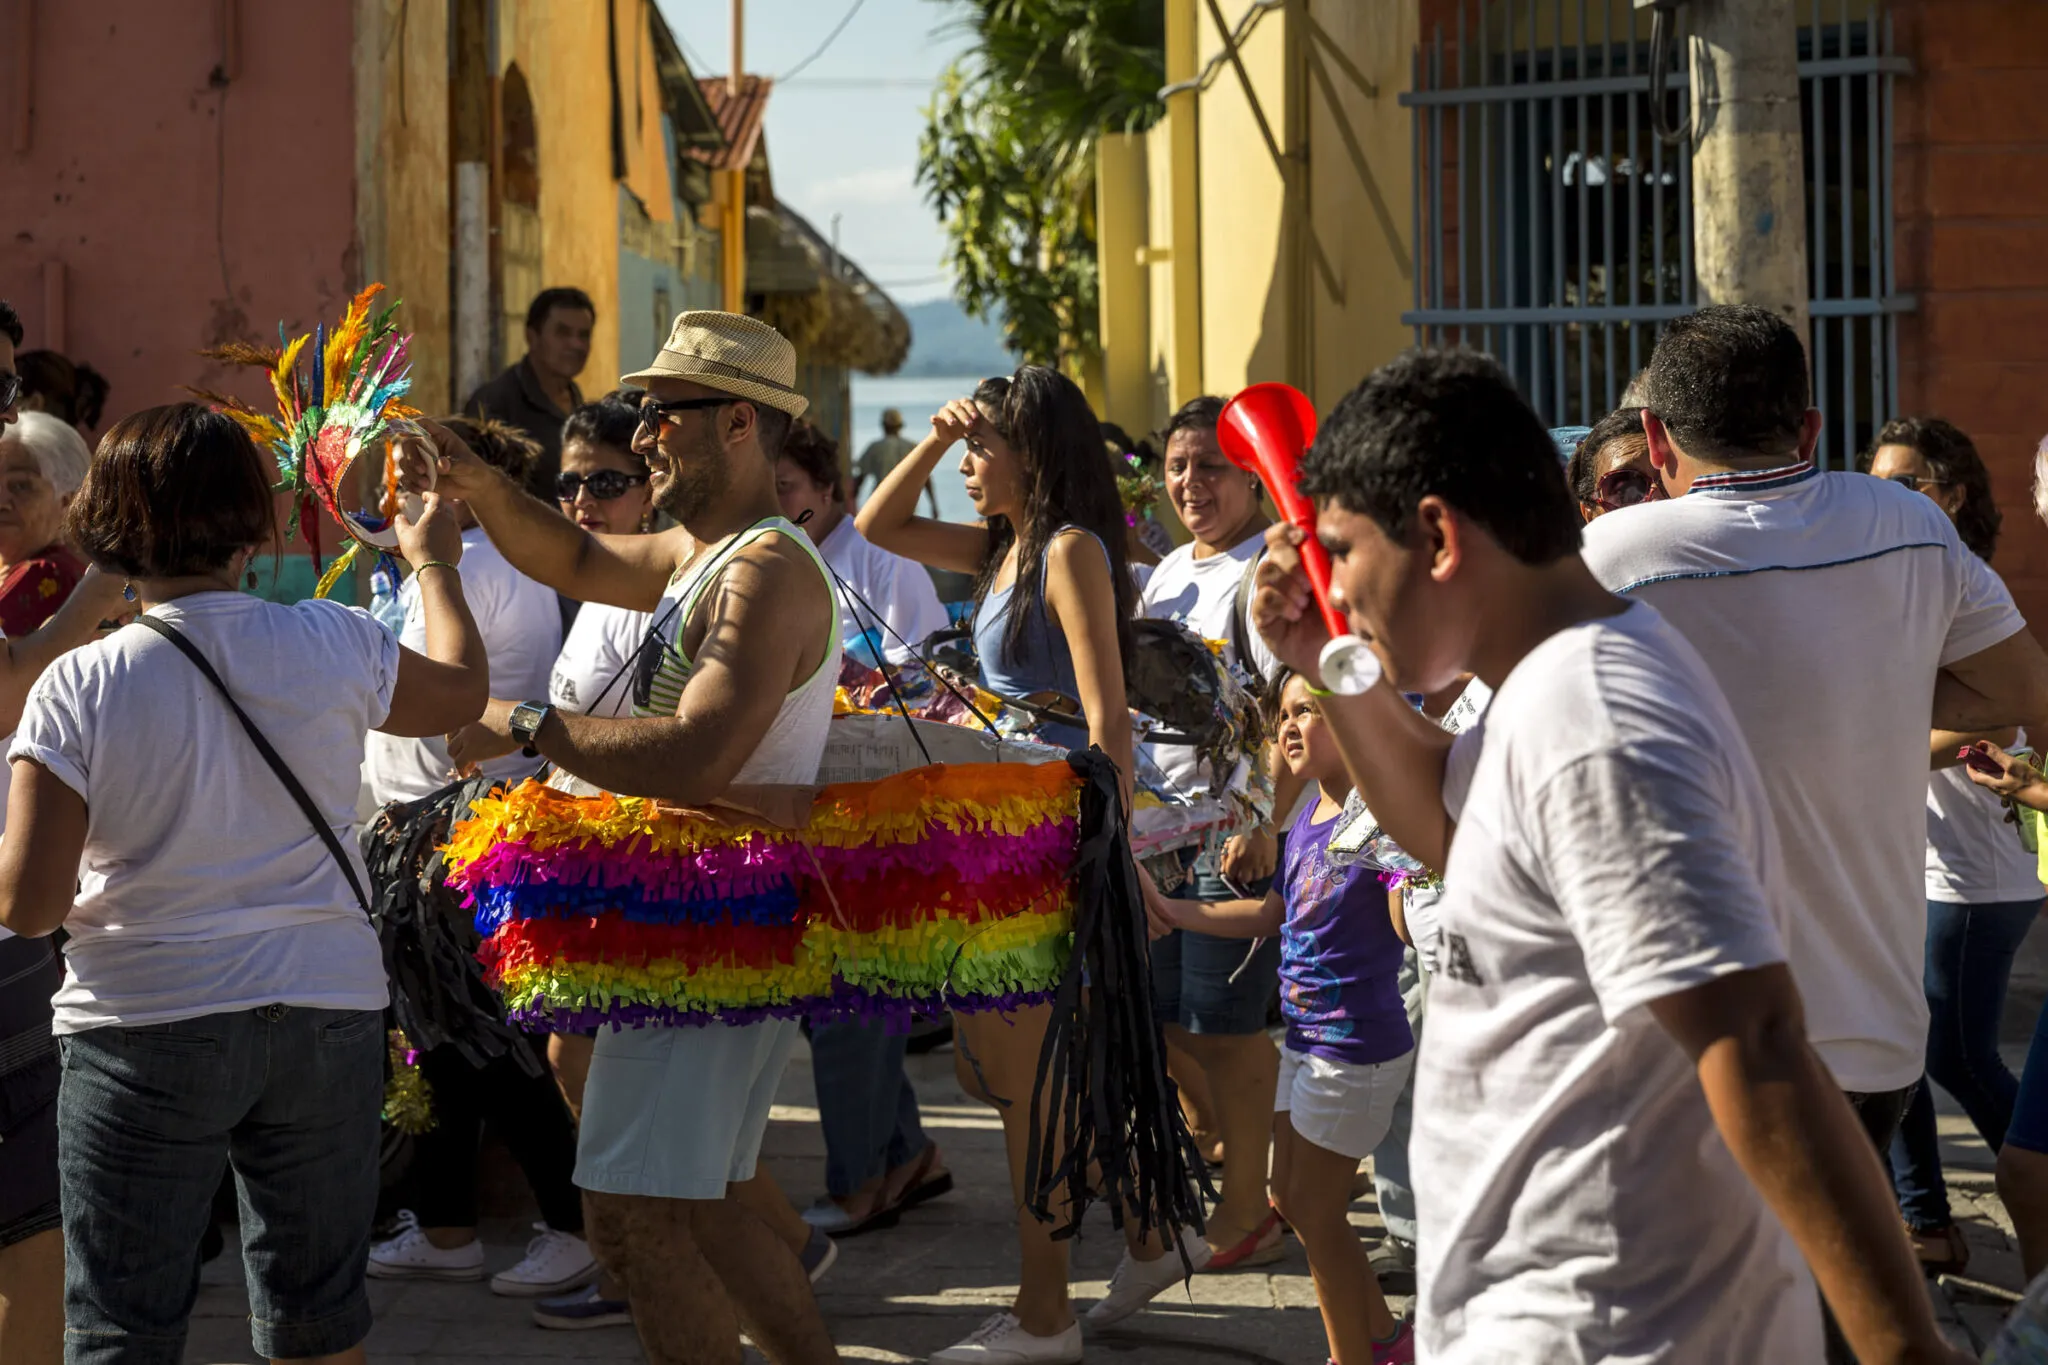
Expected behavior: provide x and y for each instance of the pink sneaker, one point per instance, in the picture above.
(1399, 1351)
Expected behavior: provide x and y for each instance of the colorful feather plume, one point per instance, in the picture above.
(337, 393)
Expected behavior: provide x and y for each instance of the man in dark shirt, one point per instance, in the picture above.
(537, 393)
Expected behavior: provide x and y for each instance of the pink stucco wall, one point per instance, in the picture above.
(182, 211)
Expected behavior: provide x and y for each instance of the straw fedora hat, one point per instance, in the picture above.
(731, 352)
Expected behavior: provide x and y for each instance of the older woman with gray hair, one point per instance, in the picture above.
(42, 463)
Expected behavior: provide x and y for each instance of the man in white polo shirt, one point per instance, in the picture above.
(1623, 1141)
(1841, 615)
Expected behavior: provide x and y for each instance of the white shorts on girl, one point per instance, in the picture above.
(1342, 1107)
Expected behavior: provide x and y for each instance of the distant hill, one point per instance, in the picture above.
(945, 341)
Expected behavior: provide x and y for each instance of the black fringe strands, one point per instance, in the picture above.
(1109, 1124)
(438, 994)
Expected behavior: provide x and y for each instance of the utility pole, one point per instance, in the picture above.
(733, 233)
(1748, 171)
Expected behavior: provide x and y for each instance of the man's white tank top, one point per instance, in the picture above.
(790, 752)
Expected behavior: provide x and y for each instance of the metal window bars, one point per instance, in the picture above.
(1554, 229)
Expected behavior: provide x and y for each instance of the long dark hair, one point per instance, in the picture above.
(1952, 457)
(1044, 418)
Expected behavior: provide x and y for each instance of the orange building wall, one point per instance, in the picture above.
(1972, 218)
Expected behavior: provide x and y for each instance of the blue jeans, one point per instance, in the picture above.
(1393, 1188)
(865, 1103)
(2028, 1130)
(147, 1117)
(1969, 958)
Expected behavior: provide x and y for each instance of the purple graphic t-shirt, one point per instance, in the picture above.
(1339, 954)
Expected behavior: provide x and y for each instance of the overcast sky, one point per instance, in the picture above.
(842, 135)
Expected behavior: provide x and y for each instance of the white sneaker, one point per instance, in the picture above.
(1136, 1283)
(1002, 1340)
(410, 1256)
(555, 1263)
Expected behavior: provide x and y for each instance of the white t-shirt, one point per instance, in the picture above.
(203, 888)
(1577, 1202)
(1825, 604)
(521, 625)
(1419, 903)
(898, 588)
(1974, 856)
(1200, 594)
(602, 644)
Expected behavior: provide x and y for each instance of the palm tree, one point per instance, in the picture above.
(1008, 157)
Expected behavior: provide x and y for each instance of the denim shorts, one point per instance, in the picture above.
(148, 1116)
(1191, 972)
(29, 975)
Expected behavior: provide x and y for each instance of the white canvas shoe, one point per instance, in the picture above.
(555, 1263)
(1136, 1283)
(1002, 1340)
(410, 1256)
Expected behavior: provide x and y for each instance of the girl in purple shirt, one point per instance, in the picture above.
(1349, 1048)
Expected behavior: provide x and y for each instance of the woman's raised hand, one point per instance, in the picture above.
(435, 538)
(952, 422)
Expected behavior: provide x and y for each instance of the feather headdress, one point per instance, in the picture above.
(337, 393)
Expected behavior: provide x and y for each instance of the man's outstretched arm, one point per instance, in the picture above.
(537, 540)
(768, 615)
(1796, 1138)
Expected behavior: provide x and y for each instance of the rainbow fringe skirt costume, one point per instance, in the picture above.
(938, 888)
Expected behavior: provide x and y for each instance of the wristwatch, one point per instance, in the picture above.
(527, 718)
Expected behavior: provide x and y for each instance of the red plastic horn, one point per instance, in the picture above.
(1266, 430)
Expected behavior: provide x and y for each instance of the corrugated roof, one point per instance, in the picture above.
(738, 119)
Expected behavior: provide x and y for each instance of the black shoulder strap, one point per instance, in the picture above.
(270, 755)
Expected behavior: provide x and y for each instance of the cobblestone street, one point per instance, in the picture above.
(900, 1294)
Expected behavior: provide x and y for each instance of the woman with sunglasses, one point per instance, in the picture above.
(1054, 599)
(437, 1240)
(1983, 888)
(1611, 468)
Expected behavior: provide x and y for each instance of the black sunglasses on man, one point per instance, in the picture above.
(653, 412)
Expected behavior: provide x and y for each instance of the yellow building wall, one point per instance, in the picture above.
(1246, 266)
(1360, 194)
(402, 208)
(647, 170)
(1120, 232)
(561, 48)
(1246, 279)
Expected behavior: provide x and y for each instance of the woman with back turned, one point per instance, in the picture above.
(223, 1003)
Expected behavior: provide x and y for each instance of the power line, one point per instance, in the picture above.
(864, 83)
(837, 29)
(702, 67)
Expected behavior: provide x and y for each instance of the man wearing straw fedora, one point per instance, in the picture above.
(734, 688)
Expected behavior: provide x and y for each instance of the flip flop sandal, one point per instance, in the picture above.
(924, 1185)
(835, 1222)
(1263, 1245)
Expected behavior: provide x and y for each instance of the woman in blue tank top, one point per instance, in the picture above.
(1054, 600)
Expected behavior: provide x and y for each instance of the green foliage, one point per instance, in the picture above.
(1007, 158)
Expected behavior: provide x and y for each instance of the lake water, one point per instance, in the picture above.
(917, 399)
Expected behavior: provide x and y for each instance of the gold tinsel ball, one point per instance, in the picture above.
(408, 1099)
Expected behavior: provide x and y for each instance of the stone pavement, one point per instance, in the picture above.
(900, 1294)
(896, 1295)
